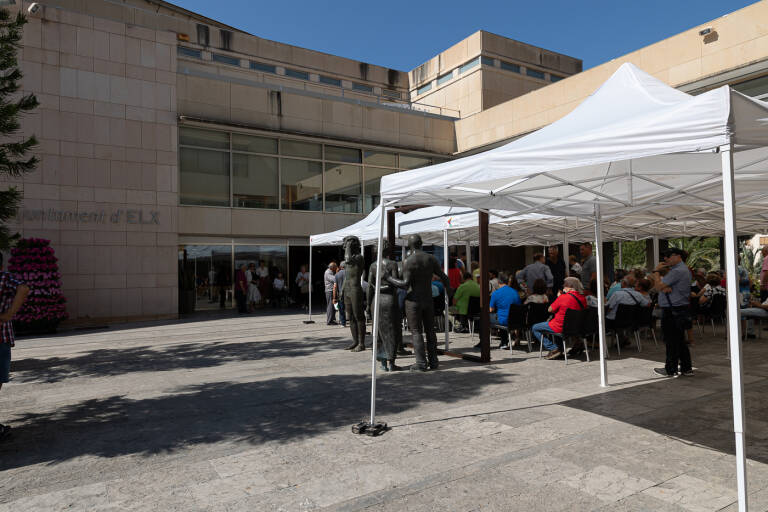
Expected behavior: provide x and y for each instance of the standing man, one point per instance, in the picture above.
(13, 293)
(536, 270)
(338, 298)
(589, 265)
(418, 268)
(673, 281)
(329, 280)
(557, 267)
(241, 289)
(764, 275)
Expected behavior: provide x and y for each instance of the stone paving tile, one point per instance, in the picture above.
(80, 498)
(607, 483)
(692, 494)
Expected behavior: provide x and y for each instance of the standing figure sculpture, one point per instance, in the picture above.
(390, 338)
(418, 269)
(352, 292)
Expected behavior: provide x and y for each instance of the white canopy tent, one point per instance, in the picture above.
(636, 149)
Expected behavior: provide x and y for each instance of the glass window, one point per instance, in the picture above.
(330, 81)
(372, 185)
(254, 144)
(509, 66)
(302, 184)
(226, 59)
(189, 52)
(442, 79)
(424, 88)
(203, 35)
(380, 158)
(362, 87)
(205, 270)
(487, 61)
(343, 188)
(275, 259)
(301, 149)
(267, 68)
(293, 73)
(204, 177)
(757, 87)
(254, 181)
(339, 154)
(414, 161)
(390, 93)
(534, 73)
(555, 78)
(203, 138)
(469, 65)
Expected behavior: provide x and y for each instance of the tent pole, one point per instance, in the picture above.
(309, 297)
(376, 314)
(445, 269)
(468, 249)
(485, 314)
(655, 251)
(734, 322)
(566, 251)
(600, 296)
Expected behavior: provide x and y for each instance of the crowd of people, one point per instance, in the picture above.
(259, 286)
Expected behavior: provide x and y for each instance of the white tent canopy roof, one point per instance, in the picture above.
(635, 146)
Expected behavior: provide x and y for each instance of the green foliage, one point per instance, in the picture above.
(702, 252)
(632, 254)
(14, 161)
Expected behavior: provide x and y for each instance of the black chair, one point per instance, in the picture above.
(438, 306)
(589, 327)
(536, 313)
(644, 321)
(473, 314)
(515, 321)
(716, 310)
(624, 321)
(572, 327)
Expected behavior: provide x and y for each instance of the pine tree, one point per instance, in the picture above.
(34, 263)
(13, 149)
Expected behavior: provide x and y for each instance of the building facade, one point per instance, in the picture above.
(175, 148)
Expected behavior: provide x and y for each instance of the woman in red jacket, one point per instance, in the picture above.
(571, 298)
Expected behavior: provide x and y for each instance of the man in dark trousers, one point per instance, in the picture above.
(673, 281)
(418, 269)
(13, 293)
(557, 267)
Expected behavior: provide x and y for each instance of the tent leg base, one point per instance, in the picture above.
(309, 321)
(371, 430)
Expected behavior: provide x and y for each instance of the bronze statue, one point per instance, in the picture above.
(352, 290)
(390, 329)
(418, 269)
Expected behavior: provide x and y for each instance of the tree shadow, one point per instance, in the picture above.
(119, 361)
(277, 410)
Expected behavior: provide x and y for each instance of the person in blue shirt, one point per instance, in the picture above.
(501, 299)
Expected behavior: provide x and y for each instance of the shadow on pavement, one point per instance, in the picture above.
(111, 362)
(279, 410)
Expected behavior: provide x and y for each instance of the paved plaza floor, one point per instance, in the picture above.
(254, 414)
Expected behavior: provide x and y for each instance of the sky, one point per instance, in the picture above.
(403, 35)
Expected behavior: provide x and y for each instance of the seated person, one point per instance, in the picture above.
(539, 293)
(469, 288)
(712, 288)
(628, 295)
(572, 297)
(756, 309)
(616, 285)
(501, 299)
(437, 287)
(592, 295)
